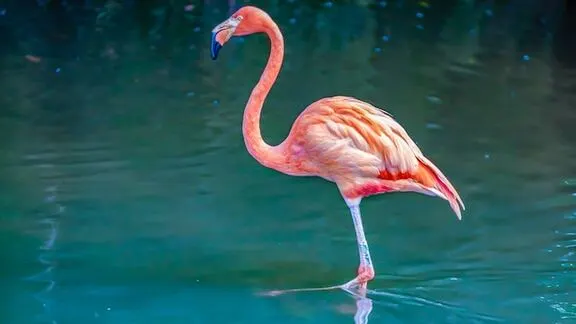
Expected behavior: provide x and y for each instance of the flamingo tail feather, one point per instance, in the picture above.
(440, 186)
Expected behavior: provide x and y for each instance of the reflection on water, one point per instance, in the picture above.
(128, 195)
(47, 259)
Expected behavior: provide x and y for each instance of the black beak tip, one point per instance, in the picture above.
(214, 47)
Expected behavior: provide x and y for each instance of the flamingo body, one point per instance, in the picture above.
(363, 150)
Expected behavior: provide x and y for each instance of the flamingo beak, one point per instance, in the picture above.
(215, 46)
(221, 34)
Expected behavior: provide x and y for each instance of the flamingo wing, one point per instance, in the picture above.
(365, 151)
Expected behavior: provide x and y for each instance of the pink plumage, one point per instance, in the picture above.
(359, 147)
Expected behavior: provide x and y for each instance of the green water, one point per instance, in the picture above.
(128, 195)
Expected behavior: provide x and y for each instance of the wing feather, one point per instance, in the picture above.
(366, 151)
(364, 129)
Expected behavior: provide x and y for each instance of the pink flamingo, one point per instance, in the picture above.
(359, 147)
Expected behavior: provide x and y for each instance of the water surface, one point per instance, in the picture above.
(128, 195)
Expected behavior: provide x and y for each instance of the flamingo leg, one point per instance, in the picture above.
(366, 268)
(357, 286)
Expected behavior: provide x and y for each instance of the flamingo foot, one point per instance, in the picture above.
(272, 293)
(357, 291)
(356, 287)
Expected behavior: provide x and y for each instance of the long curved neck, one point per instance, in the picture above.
(269, 156)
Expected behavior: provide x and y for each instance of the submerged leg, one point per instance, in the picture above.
(365, 269)
(363, 310)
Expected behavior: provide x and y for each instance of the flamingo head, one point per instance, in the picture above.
(246, 20)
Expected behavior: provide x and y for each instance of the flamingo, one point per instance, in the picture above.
(349, 142)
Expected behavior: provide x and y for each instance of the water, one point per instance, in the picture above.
(128, 196)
